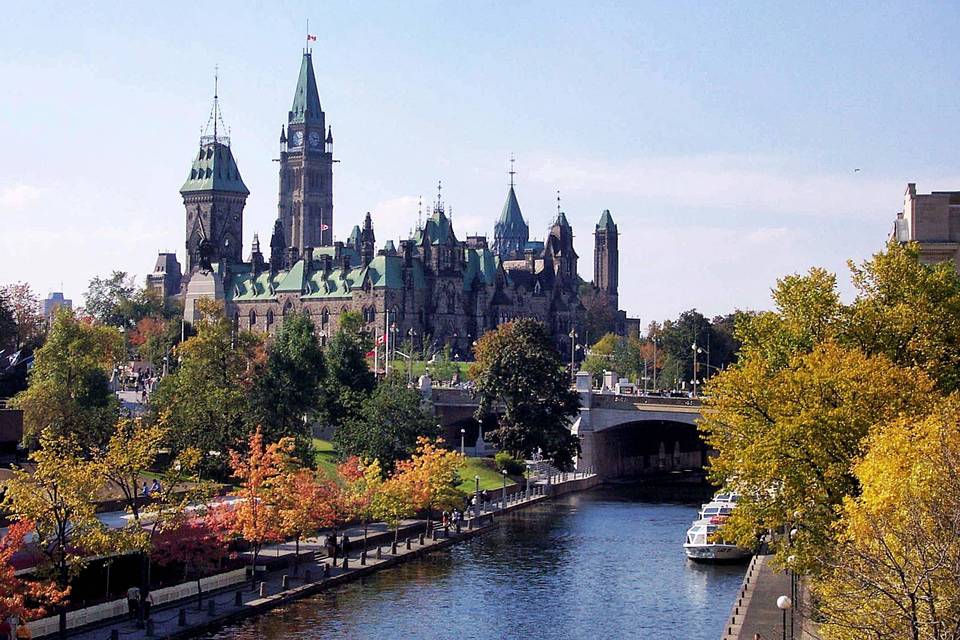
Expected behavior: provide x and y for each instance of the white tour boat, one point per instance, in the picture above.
(702, 543)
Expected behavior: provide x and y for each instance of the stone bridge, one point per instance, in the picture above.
(620, 435)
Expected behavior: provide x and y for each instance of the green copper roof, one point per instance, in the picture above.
(292, 281)
(482, 265)
(354, 238)
(511, 215)
(606, 221)
(437, 228)
(306, 101)
(214, 169)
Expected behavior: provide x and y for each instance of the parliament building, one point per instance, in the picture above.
(432, 286)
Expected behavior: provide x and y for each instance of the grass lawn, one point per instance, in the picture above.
(419, 366)
(325, 455)
(490, 478)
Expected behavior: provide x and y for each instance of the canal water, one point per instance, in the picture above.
(597, 565)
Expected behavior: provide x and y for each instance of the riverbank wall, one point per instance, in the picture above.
(315, 572)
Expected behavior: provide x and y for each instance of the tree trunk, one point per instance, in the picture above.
(296, 555)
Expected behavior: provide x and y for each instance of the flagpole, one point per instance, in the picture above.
(386, 350)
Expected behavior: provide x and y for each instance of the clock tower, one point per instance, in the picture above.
(306, 168)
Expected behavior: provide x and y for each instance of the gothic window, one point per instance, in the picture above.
(253, 318)
(324, 317)
(269, 317)
(286, 308)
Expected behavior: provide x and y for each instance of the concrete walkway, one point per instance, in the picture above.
(755, 614)
(183, 618)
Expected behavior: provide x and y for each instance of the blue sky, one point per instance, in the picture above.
(723, 137)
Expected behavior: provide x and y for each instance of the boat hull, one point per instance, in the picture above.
(716, 553)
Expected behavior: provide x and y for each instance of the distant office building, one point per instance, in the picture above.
(932, 220)
(53, 302)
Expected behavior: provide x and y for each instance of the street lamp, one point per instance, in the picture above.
(503, 504)
(463, 435)
(476, 499)
(784, 603)
(791, 561)
(573, 345)
(696, 352)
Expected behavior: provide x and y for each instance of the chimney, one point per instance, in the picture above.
(292, 257)
(531, 259)
(308, 256)
(326, 263)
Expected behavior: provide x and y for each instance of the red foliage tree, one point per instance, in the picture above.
(196, 544)
(22, 598)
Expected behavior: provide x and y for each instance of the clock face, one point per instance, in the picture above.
(297, 139)
(314, 139)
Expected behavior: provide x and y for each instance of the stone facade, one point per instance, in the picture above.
(431, 287)
(932, 220)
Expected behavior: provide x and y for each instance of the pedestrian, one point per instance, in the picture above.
(23, 631)
(145, 491)
(133, 601)
(147, 605)
(5, 630)
(155, 488)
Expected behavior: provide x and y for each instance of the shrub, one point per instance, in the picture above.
(504, 460)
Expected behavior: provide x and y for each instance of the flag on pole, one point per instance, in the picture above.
(311, 38)
(382, 339)
(324, 227)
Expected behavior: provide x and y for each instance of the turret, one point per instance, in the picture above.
(606, 256)
(367, 241)
(278, 247)
(256, 258)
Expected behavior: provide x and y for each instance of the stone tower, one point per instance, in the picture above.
(306, 168)
(559, 249)
(368, 241)
(214, 196)
(606, 256)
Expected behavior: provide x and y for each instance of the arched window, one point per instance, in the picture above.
(269, 317)
(324, 317)
(253, 318)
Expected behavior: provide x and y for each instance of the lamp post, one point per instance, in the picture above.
(791, 560)
(573, 353)
(696, 352)
(412, 334)
(784, 603)
(503, 503)
(655, 340)
(393, 341)
(463, 435)
(528, 480)
(476, 499)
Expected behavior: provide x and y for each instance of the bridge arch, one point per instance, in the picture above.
(643, 447)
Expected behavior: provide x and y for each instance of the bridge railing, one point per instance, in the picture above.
(650, 400)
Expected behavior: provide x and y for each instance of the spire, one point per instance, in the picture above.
(511, 172)
(255, 248)
(306, 100)
(215, 128)
(606, 222)
(283, 135)
(511, 232)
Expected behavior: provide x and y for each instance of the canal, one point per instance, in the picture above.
(600, 564)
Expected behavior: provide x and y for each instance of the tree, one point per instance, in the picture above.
(303, 505)
(8, 323)
(107, 299)
(349, 379)
(255, 517)
(26, 599)
(896, 570)
(395, 501)
(154, 339)
(194, 544)
(601, 315)
(25, 308)
(205, 400)
(786, 439)
(58, 498)
(69, 389)
(287, 393)
(518, 367)
(362, 481)
(387, 426)
(432, 474)
(908, 311)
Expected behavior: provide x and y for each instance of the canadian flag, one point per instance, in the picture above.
(324, 227)
(382, 339)
(311, 38)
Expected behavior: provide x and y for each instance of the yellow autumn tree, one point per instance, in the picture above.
(896, 571)
(432, 476)
(787, 438)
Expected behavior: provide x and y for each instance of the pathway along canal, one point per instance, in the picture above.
(596, 565)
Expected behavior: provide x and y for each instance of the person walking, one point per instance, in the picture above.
(147, 605)
(133, 601)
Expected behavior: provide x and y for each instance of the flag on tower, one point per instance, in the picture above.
(382, 339)
(324, 227)
(311, 38)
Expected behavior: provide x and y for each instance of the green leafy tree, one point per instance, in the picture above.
(349, 379)
(69, 391)
(518, 367)
(106, 298)
(204, 401)
(287, 393)
(388, 425)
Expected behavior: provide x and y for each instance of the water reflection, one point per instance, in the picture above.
(602, 564)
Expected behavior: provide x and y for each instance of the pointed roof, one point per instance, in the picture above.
(511, 214)
(306, 100)
(354, 238)
(214, 169)
(606, 221)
